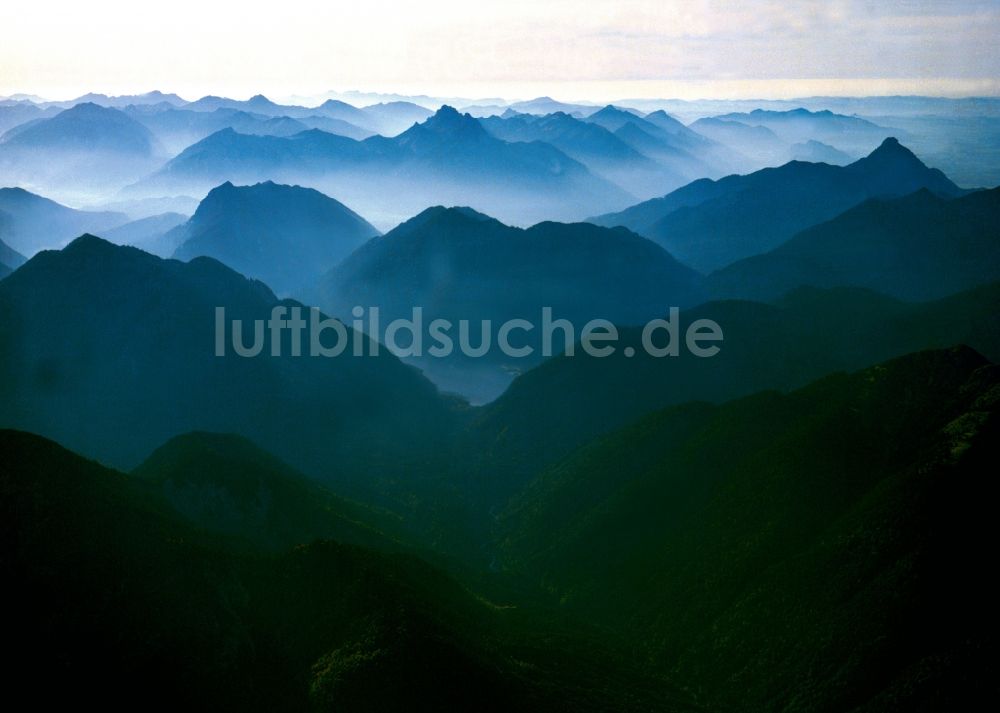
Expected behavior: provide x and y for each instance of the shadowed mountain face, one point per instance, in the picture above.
(460, 265)
(917, 247)
(447, 158)
(9, 258)
(112, 351)
(285, 236)
(147, 233)
(29, 222)
(196, 620)
(64, 150)
(226, 484)
(710, 224)
(555, 408)
(823, 546)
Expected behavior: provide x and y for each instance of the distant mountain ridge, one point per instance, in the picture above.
(917, 247)
(9, 258)
(85, 126)
(710, 224)
(82, 149)
(448, 157)
(128, 340)
(29, 222)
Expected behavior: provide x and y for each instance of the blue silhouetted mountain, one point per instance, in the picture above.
(710, 224)
(664, 138)
(786, 548)
(341, 113)
(84, 148)
(112, 351)
(647, 137)
(554, 408)
(336, 109)
(457, 264)
(548, 105)
(921, 246)
(600, 150)
(125, 100)
(818, 152)
(29, 222)
(758, 143)
(179, 128)
(285, 236)
(583, 141)
(392, 118)
(148, 234)
(258, 104)
(85, 127)
(448, 158)
(847, 133)
(20, 113)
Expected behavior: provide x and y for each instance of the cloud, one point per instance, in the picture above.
(312, 46)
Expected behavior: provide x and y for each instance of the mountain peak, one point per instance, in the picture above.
(890, 150)
(449, 119)
(89, 109)
(88, 243)
(891, 142)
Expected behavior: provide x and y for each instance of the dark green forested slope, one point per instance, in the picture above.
(113, 598)
(565, 402)
(226, 484)
(824, 550)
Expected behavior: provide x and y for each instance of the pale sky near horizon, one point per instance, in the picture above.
(569, 49)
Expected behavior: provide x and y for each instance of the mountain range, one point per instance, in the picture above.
(63, 151)
(710, 224)
(179, 128)
(112, 351)
(457, 264)
(285, 236)
(852, 134)
(557, 407)
(918, 247)
(448, 157)
(29, 222)
(193, 617)
(202, 512)
(815, 550)
(600, 150)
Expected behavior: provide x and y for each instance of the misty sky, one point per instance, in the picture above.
(571, 49)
